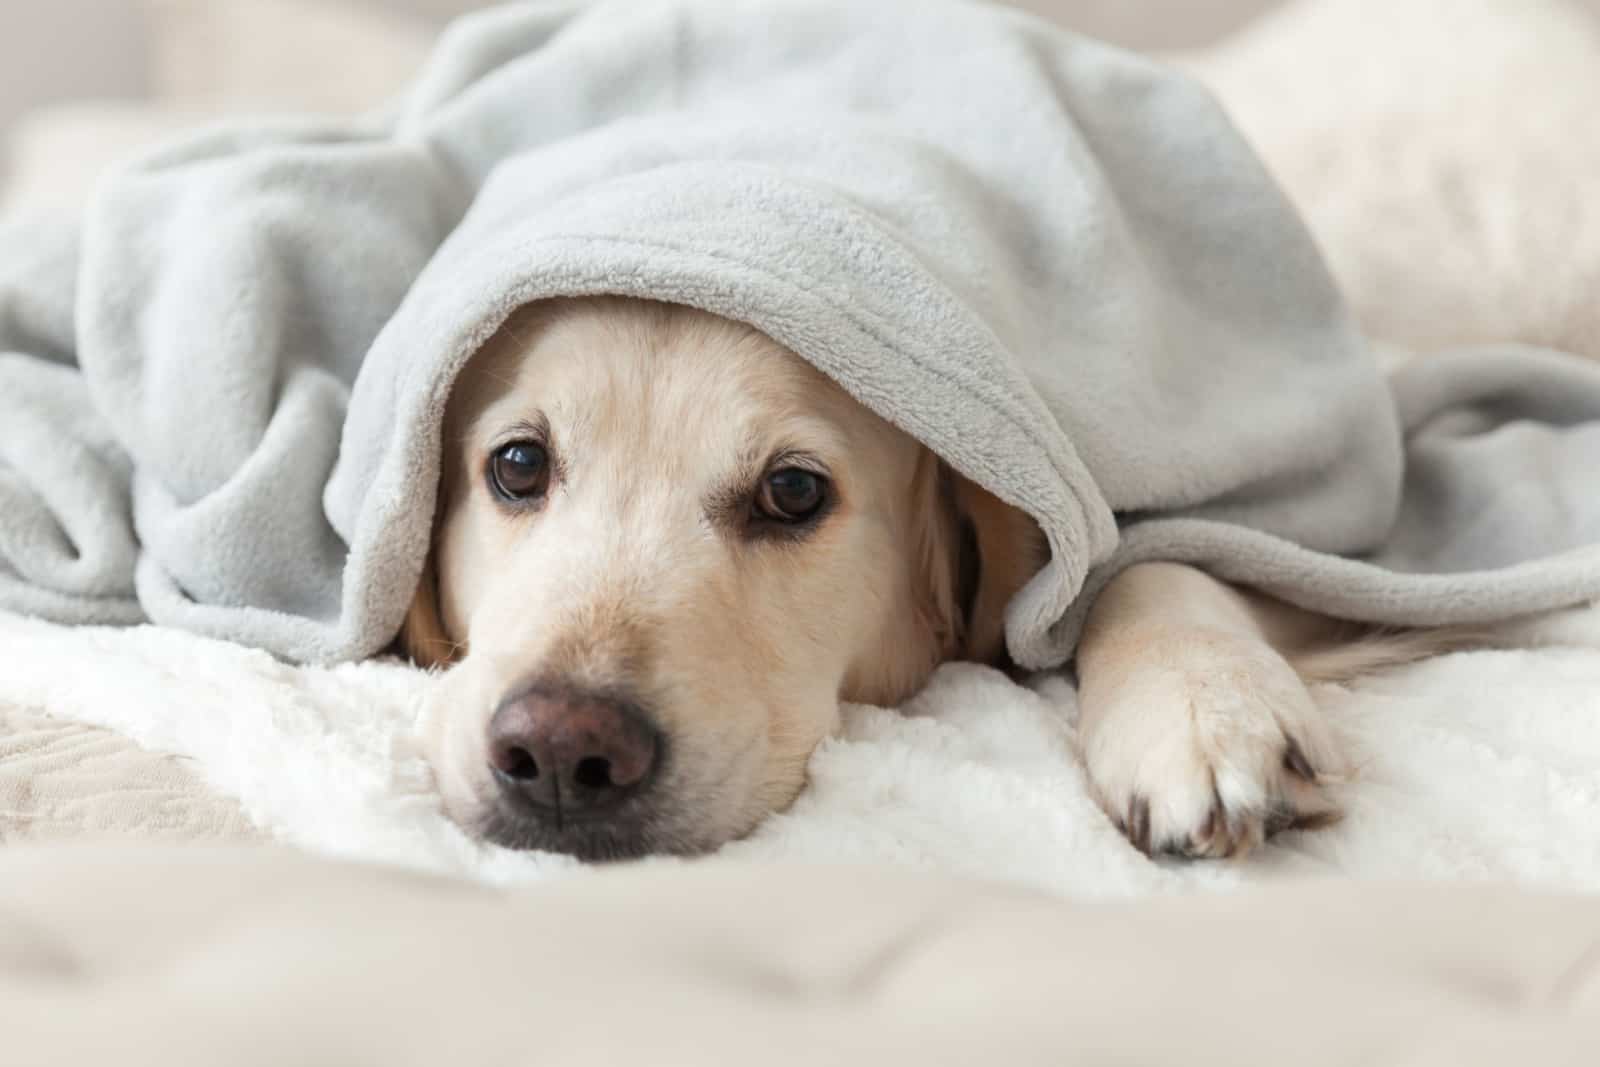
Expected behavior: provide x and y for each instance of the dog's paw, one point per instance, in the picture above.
(1204, 743)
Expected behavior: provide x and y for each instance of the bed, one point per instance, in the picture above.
(264, 957)
(1442, 174)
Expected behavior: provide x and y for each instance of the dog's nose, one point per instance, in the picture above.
(571, 753)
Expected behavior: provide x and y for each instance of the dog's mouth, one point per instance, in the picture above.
(646, 823)
(589, 837)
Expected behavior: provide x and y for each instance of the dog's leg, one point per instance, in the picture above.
(1199, 737)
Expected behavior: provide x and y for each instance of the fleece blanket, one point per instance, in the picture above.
(1053, 262)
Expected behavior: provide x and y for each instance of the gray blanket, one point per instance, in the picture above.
(1053, 262)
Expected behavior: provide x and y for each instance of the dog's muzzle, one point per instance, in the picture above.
(572, 769)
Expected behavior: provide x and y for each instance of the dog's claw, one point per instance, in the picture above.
(1138, 826)
(1279, 818)
(1203, 769)
(1295, 759)
(1316, 820)
(1224, 834)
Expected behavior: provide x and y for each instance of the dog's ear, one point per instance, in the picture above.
(1002, 549)
(974, 552)
(422, 636)
(937, 548)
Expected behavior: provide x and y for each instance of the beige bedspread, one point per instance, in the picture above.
(61, 780)
(262, 957)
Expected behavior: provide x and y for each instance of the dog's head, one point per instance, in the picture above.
(666, 549)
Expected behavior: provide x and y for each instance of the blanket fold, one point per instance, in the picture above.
(1053, 262)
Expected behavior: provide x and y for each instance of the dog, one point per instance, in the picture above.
(667, 548)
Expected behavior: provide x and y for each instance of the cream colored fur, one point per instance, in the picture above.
(1199, 736)
(740, 649)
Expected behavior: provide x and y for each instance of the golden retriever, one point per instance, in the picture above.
(667, 549)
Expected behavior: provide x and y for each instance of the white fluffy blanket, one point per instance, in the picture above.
(1474, 766)
(1392, 126)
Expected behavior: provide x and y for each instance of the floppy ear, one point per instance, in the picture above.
(1005, 548)
(937, 548)
(973, 552)
(422, 636)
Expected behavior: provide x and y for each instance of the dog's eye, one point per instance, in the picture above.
(520, 470)
(791, 495)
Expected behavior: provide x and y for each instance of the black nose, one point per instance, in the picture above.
(571, 753)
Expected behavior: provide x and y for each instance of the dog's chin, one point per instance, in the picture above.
(618, 837)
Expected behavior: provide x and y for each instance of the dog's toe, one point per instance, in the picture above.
(1210, 753)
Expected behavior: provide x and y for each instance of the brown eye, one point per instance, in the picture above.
(791, 495)
(519, 471)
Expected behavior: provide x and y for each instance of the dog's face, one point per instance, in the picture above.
(666, 549)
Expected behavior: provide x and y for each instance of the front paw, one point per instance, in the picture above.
(1204, 743)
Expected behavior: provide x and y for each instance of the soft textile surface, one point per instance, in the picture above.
(264, 958)
(1478, 765)
(1474, 767)
(62, 780)
(1052, 261)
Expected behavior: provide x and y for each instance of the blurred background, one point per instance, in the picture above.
(131, 49)
(1429, 143)
(82, 81)
(67, 49)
